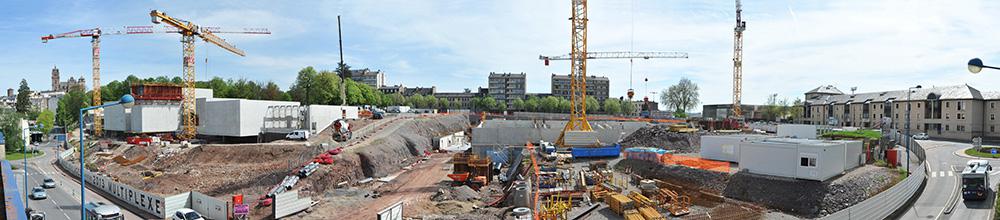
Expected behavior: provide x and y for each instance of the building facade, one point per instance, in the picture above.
(60, 86)
(375, 79)
(723, 111)
(507, 87)
(408, 91)
(464, 99)
(951, 112)
(597, 87)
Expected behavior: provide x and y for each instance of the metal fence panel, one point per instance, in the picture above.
(209, 206)
(172, 203)
(289, 203)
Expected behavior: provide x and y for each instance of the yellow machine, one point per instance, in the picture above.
(682, 128)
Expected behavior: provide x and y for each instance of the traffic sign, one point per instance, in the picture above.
(241, 209)
(993, 151)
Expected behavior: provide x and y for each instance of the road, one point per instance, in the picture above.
(63, 201)
(942, 189)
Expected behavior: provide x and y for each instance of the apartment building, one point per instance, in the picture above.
(597, 87)
(375, 79)
(507, 87)
(464, 99)
(950, 112)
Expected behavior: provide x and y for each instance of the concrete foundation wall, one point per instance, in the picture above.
(518, 132)
(233, 117)
(155, 118)
(114, 118)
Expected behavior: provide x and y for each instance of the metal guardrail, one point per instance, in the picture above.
(885, 203)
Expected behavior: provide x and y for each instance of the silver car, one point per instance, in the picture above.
(38, 193)
(921, 136)
(48, 183)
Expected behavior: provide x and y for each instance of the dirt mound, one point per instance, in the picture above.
(659, 136)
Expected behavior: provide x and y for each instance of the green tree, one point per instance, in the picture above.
(680, 97)
(444, 103)
(68, 112)
(532, 104)
(612, 106)
(518, 105)
(304, 86)
(397, 99)
(592, 105)
(273, 92)
(47, 119)
(23, 102)
(456, 105)
(417, 101)
(628, 108)
(564, 105)
(344, 72)
(549, 104)
(797, 108)
(10, 124)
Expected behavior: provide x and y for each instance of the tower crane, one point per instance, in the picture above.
(738, 61)
(578, 57)
(188, 32)
(95, 40)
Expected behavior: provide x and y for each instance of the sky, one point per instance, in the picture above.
(789, 46)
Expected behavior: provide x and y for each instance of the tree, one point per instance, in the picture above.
(273, 92)
(797, 108)
(10, 124)
(69, 107)
(397, 99)
(549, 104)
(680, 97)
(776, 109)
(564, 105)
(532, 104)
(612, 106)
(628, 108)
(344, 72)
(443, 103)
(518, 105)
(304, 86)
(592, 105)
(23, 104)
(47, 119)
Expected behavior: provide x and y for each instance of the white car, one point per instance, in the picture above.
(38, 193)
(187, 214)
(921, 136)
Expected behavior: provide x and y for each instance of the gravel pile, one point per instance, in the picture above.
(659, 136)
(807, 198)
(460, 193)
(685, 176)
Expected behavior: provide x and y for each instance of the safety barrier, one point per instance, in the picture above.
(289, 203)
(885, 203)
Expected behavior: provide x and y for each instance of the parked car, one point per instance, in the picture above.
(298, 135)
(187, 214)
(921, 136)
(38, 193)
(48, 183)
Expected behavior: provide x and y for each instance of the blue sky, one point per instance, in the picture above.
(790, 46)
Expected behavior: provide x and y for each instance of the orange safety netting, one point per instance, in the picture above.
(695, 162)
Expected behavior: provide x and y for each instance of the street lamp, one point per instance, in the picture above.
(909, 92)
(976, 65)
(127, 101)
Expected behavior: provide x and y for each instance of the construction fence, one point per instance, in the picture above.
(149, 203)
(885, 203)
(661, 157)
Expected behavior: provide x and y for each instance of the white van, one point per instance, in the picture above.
(298, 135)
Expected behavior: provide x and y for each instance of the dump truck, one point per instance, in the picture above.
(341, 130)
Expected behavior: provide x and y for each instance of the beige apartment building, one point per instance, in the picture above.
(951, 112)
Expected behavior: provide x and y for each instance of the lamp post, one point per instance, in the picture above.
(909, 138)
(127, 101)
(976, 65)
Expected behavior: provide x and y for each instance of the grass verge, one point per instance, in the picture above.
(12, 156)
(981, 153)
(866, 134)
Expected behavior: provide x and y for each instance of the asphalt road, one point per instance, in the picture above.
(943, 188)
(63, 201)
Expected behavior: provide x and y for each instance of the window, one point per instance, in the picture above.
(991, 105)
(992, 128)
(959, 116)
(897, 115)
(947, 116)
(959, 128)
(946, 104)
(918, 105)
(946, 127)
(993, 117)
(807, 161)
(897, 105)
(960, 105)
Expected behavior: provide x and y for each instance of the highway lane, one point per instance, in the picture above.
(65, 198)
(943, 188)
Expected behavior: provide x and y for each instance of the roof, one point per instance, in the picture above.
(827, 89)
(945, 92)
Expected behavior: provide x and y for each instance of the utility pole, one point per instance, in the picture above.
(343, 75)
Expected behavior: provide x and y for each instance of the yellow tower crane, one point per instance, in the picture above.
(578, 74)
(188, 32)
(738, 61)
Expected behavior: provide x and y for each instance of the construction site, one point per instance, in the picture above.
(264, 159)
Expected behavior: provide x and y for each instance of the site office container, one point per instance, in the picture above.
(725, 147)
(619, 203)
(794, 158)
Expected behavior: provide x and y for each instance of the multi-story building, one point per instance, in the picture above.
(405, 91)
(375, 79)
(464, 99)
(59, 86)
(950, 112)
(597, 87)
(507, 87)
(723, 111)
(46, 100)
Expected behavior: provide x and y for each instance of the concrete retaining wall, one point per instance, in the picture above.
(518, 132)
(233, 117)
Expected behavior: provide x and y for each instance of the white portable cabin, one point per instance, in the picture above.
(725, 147)
(794, 158)
(797, 131)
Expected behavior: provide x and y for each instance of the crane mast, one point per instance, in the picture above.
(578, 72)
(738, 61)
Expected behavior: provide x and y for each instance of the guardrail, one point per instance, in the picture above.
(887, 202)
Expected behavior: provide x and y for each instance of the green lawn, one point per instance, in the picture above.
(869, 134)
(12, 156)
(975, 153)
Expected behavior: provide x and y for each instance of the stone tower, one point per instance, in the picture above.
(55, 78)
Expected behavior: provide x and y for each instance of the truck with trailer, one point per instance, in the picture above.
(975, 180)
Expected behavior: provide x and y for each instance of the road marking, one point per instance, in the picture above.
(67, 215)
